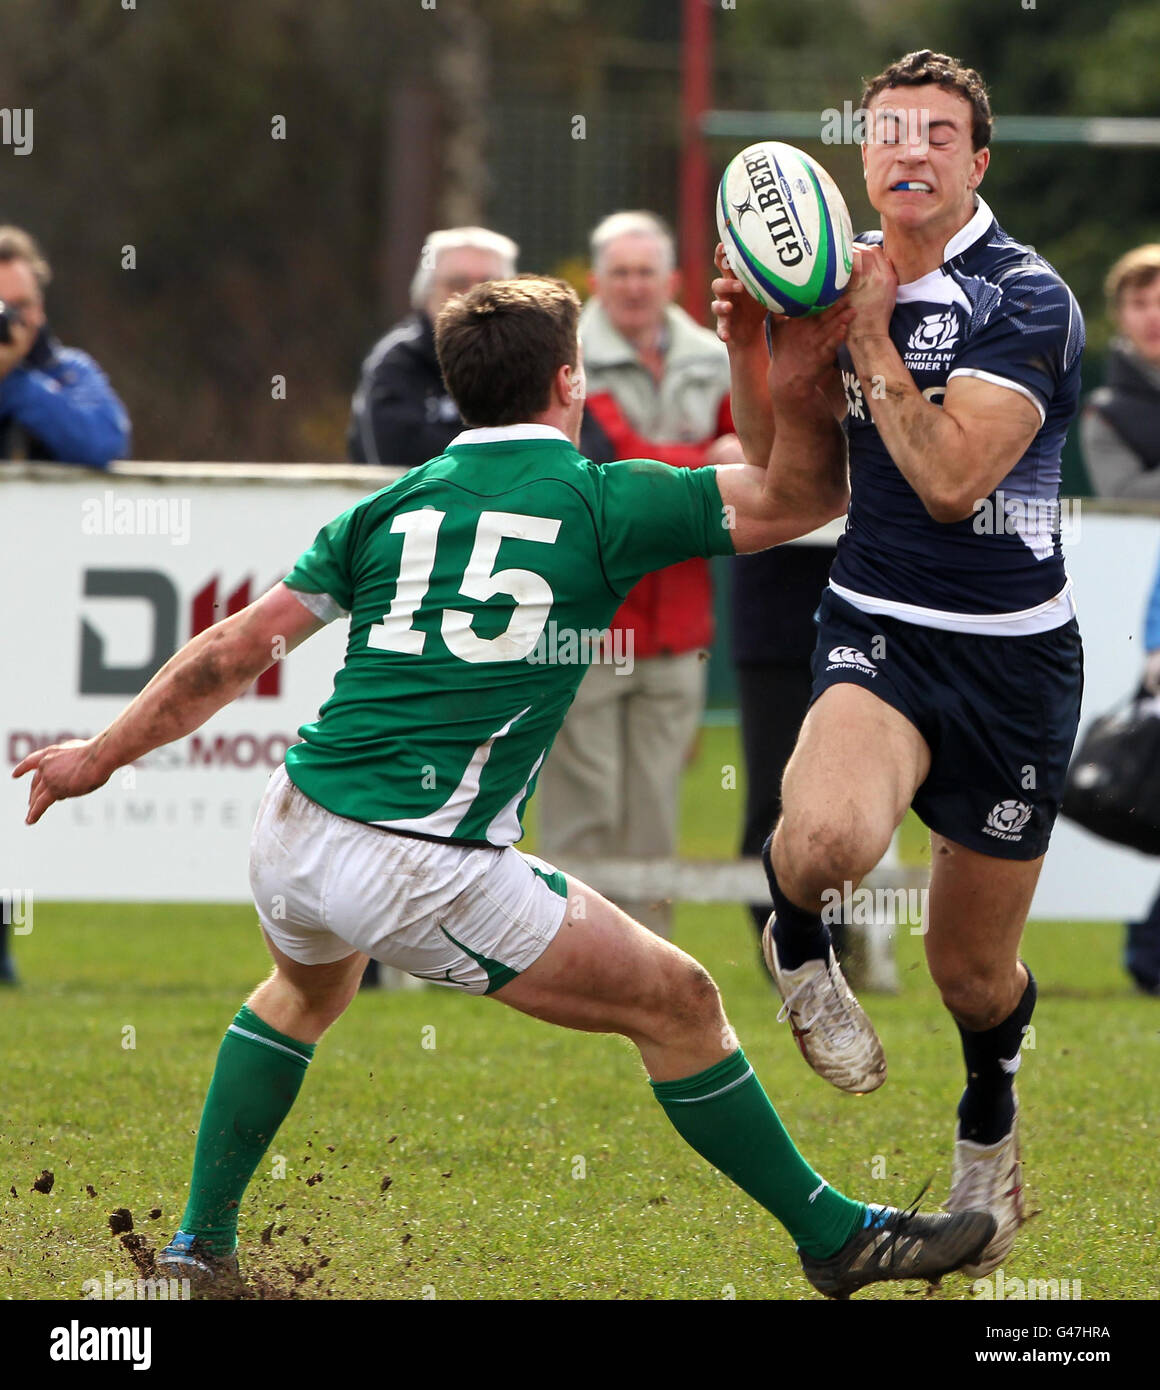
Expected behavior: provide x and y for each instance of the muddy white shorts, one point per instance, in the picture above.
(325, 886)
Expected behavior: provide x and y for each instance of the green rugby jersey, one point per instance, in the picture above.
(474, 586)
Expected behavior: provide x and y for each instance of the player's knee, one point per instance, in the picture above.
(321, 1002)
(687, 1004)
(976, 996)
(813, 852)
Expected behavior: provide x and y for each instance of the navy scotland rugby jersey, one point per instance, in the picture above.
(997, 311)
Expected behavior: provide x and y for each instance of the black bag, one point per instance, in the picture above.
(1113, 783)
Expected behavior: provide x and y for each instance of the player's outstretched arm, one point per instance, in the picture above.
(805, 485)
(212, 669)
(767, 378)
(741, 326)
(954, 454)
(805, 481)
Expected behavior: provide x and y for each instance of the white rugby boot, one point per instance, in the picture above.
(829, 1025)
(989, 1177)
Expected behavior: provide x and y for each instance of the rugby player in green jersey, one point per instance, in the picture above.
(390, 830)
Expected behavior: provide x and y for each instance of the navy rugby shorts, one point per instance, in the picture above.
(999, 715)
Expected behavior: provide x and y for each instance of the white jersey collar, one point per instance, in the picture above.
(499, 434)
(965, 237)
(971, 232)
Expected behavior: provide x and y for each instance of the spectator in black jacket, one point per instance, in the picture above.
(55, 402)
(401, 412)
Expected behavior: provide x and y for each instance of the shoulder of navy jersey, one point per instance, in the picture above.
(997, 280)
(1006, 280)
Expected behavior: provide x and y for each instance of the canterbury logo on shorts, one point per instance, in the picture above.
(850, 658)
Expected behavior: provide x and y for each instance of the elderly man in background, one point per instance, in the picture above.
(401, 412)
(1120, 429)
(658, 387)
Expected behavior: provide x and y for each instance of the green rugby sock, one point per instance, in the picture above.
(258, 1075)
(726, 1116)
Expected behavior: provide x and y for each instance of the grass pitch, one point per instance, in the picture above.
(445, 1147)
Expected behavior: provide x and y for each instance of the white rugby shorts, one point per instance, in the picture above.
(325, 886)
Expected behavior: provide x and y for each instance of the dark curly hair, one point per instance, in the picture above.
(927, 68)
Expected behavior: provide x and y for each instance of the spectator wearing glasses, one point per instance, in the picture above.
(401, 412)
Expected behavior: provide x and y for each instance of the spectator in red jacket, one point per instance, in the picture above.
(658, 388)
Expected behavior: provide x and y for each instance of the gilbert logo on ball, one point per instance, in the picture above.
(785, 228)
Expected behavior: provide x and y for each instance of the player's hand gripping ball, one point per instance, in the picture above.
(785, 228)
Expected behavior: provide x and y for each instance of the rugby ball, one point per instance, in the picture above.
(785, 228)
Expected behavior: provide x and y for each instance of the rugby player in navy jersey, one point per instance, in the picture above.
(948, 668)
